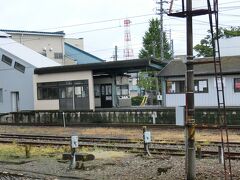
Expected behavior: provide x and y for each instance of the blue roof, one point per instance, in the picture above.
(80, 56)
(58, 33)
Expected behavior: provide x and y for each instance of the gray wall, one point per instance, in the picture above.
(13, 80)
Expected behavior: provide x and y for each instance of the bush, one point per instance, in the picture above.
(136, 101)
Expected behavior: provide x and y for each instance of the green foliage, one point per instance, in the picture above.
(204, 48)
(136, 101)
(152, 48)
(147, 80)
(151, 42)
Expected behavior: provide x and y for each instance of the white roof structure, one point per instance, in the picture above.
(3, 34)
(230, 46)
(24, 53)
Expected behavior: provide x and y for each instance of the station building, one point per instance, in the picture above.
(87, 86)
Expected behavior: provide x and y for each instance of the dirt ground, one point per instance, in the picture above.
(115, 164)
(135, 133)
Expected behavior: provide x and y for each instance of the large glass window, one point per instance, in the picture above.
(47, 91)
(97, 90)
(7, 60)
(81, 91)
(122, 90)
(236, 84)
(63, 89)
(201, 86)
(175, 87)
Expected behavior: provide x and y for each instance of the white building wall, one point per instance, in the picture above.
(75, 42)
(42, 43)
(208, 99)
(54, 77)
(230, 46)
(12, 80)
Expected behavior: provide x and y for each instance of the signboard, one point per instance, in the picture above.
(74, 141)
(147, 137)
(159, 97)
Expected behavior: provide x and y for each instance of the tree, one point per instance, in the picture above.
(204, 49)
(152, 48)
(151, 42)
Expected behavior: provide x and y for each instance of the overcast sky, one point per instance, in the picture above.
(100, 23)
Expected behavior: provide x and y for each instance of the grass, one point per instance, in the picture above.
(14, 152)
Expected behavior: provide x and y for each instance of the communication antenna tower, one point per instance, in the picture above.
(128, 51)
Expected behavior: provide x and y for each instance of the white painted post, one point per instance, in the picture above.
(64, 123)
(74, 145)
(154, 116)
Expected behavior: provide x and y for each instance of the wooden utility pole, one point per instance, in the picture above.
(190, 110)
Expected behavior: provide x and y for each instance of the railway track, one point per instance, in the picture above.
(132, 145)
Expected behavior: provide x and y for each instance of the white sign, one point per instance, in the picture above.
(74, 141)
(159, 97)
(180, 115)
(147, 137)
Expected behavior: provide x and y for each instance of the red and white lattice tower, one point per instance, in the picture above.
(128, 51)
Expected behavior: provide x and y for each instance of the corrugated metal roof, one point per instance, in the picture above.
(58, 33)
(25, 53)
(82, 57)
(230, 65)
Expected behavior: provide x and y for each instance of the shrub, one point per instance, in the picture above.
(136, 101)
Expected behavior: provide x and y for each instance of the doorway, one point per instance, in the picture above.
(15, 101)
(106, 95)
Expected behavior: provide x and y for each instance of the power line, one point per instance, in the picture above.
(96, 22)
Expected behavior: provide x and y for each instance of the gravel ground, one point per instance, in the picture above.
(118, 167)
(126, 167)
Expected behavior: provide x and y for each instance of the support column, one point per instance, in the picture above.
(114, 92)
(190, 109)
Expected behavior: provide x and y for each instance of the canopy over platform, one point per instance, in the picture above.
(111, 67)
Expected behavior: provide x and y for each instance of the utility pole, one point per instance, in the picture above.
(115, 53)
(190, 111)
(161, 28)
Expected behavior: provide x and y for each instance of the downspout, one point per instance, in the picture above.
(163, 87)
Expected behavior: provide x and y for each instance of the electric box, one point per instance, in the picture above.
(147, 137)
(74, 141)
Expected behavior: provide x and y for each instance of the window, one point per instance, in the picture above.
(122, 90)
(97, 90)
(1, 95)
(201, 86)
(7, 60)
(175, 87)
(81, 91)
(66, 92)
(236, 84)
(58, 55)
(63, 90)
(19, 67)
(47, 91)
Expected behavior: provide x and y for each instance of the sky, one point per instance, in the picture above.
(100, 23)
